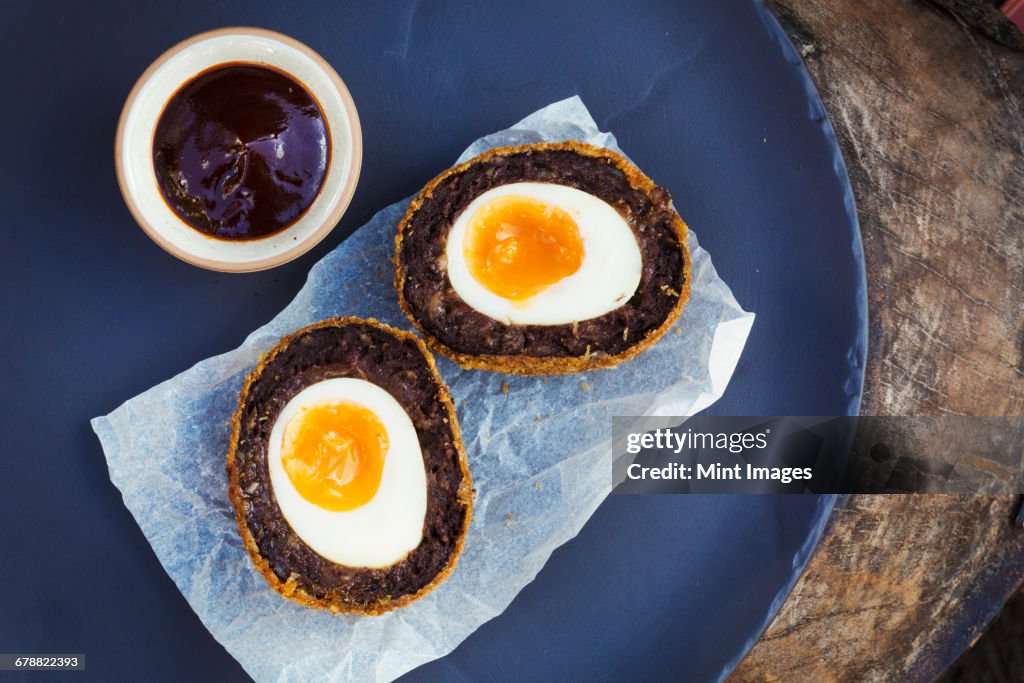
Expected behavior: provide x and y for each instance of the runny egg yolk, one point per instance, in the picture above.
(517, 246)
(333, 453)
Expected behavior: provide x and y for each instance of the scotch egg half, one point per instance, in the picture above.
(547, 258)
(346, 468)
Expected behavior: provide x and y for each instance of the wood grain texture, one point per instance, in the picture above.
(929, 116)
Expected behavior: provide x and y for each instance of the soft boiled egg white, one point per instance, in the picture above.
(542, 254)
(347, 471)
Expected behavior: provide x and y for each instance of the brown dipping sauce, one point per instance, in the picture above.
(241, 151)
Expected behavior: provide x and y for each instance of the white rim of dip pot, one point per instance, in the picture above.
(133, 148)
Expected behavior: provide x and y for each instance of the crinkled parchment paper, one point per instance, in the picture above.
(541, 452)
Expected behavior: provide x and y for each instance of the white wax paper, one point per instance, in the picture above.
(540, 453)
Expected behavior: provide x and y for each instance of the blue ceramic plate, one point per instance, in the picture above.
(709, 98)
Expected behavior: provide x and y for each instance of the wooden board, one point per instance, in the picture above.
(930, 117)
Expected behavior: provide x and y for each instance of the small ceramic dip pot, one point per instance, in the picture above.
(238, 149)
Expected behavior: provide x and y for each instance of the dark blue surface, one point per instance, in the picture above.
(707, 97)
